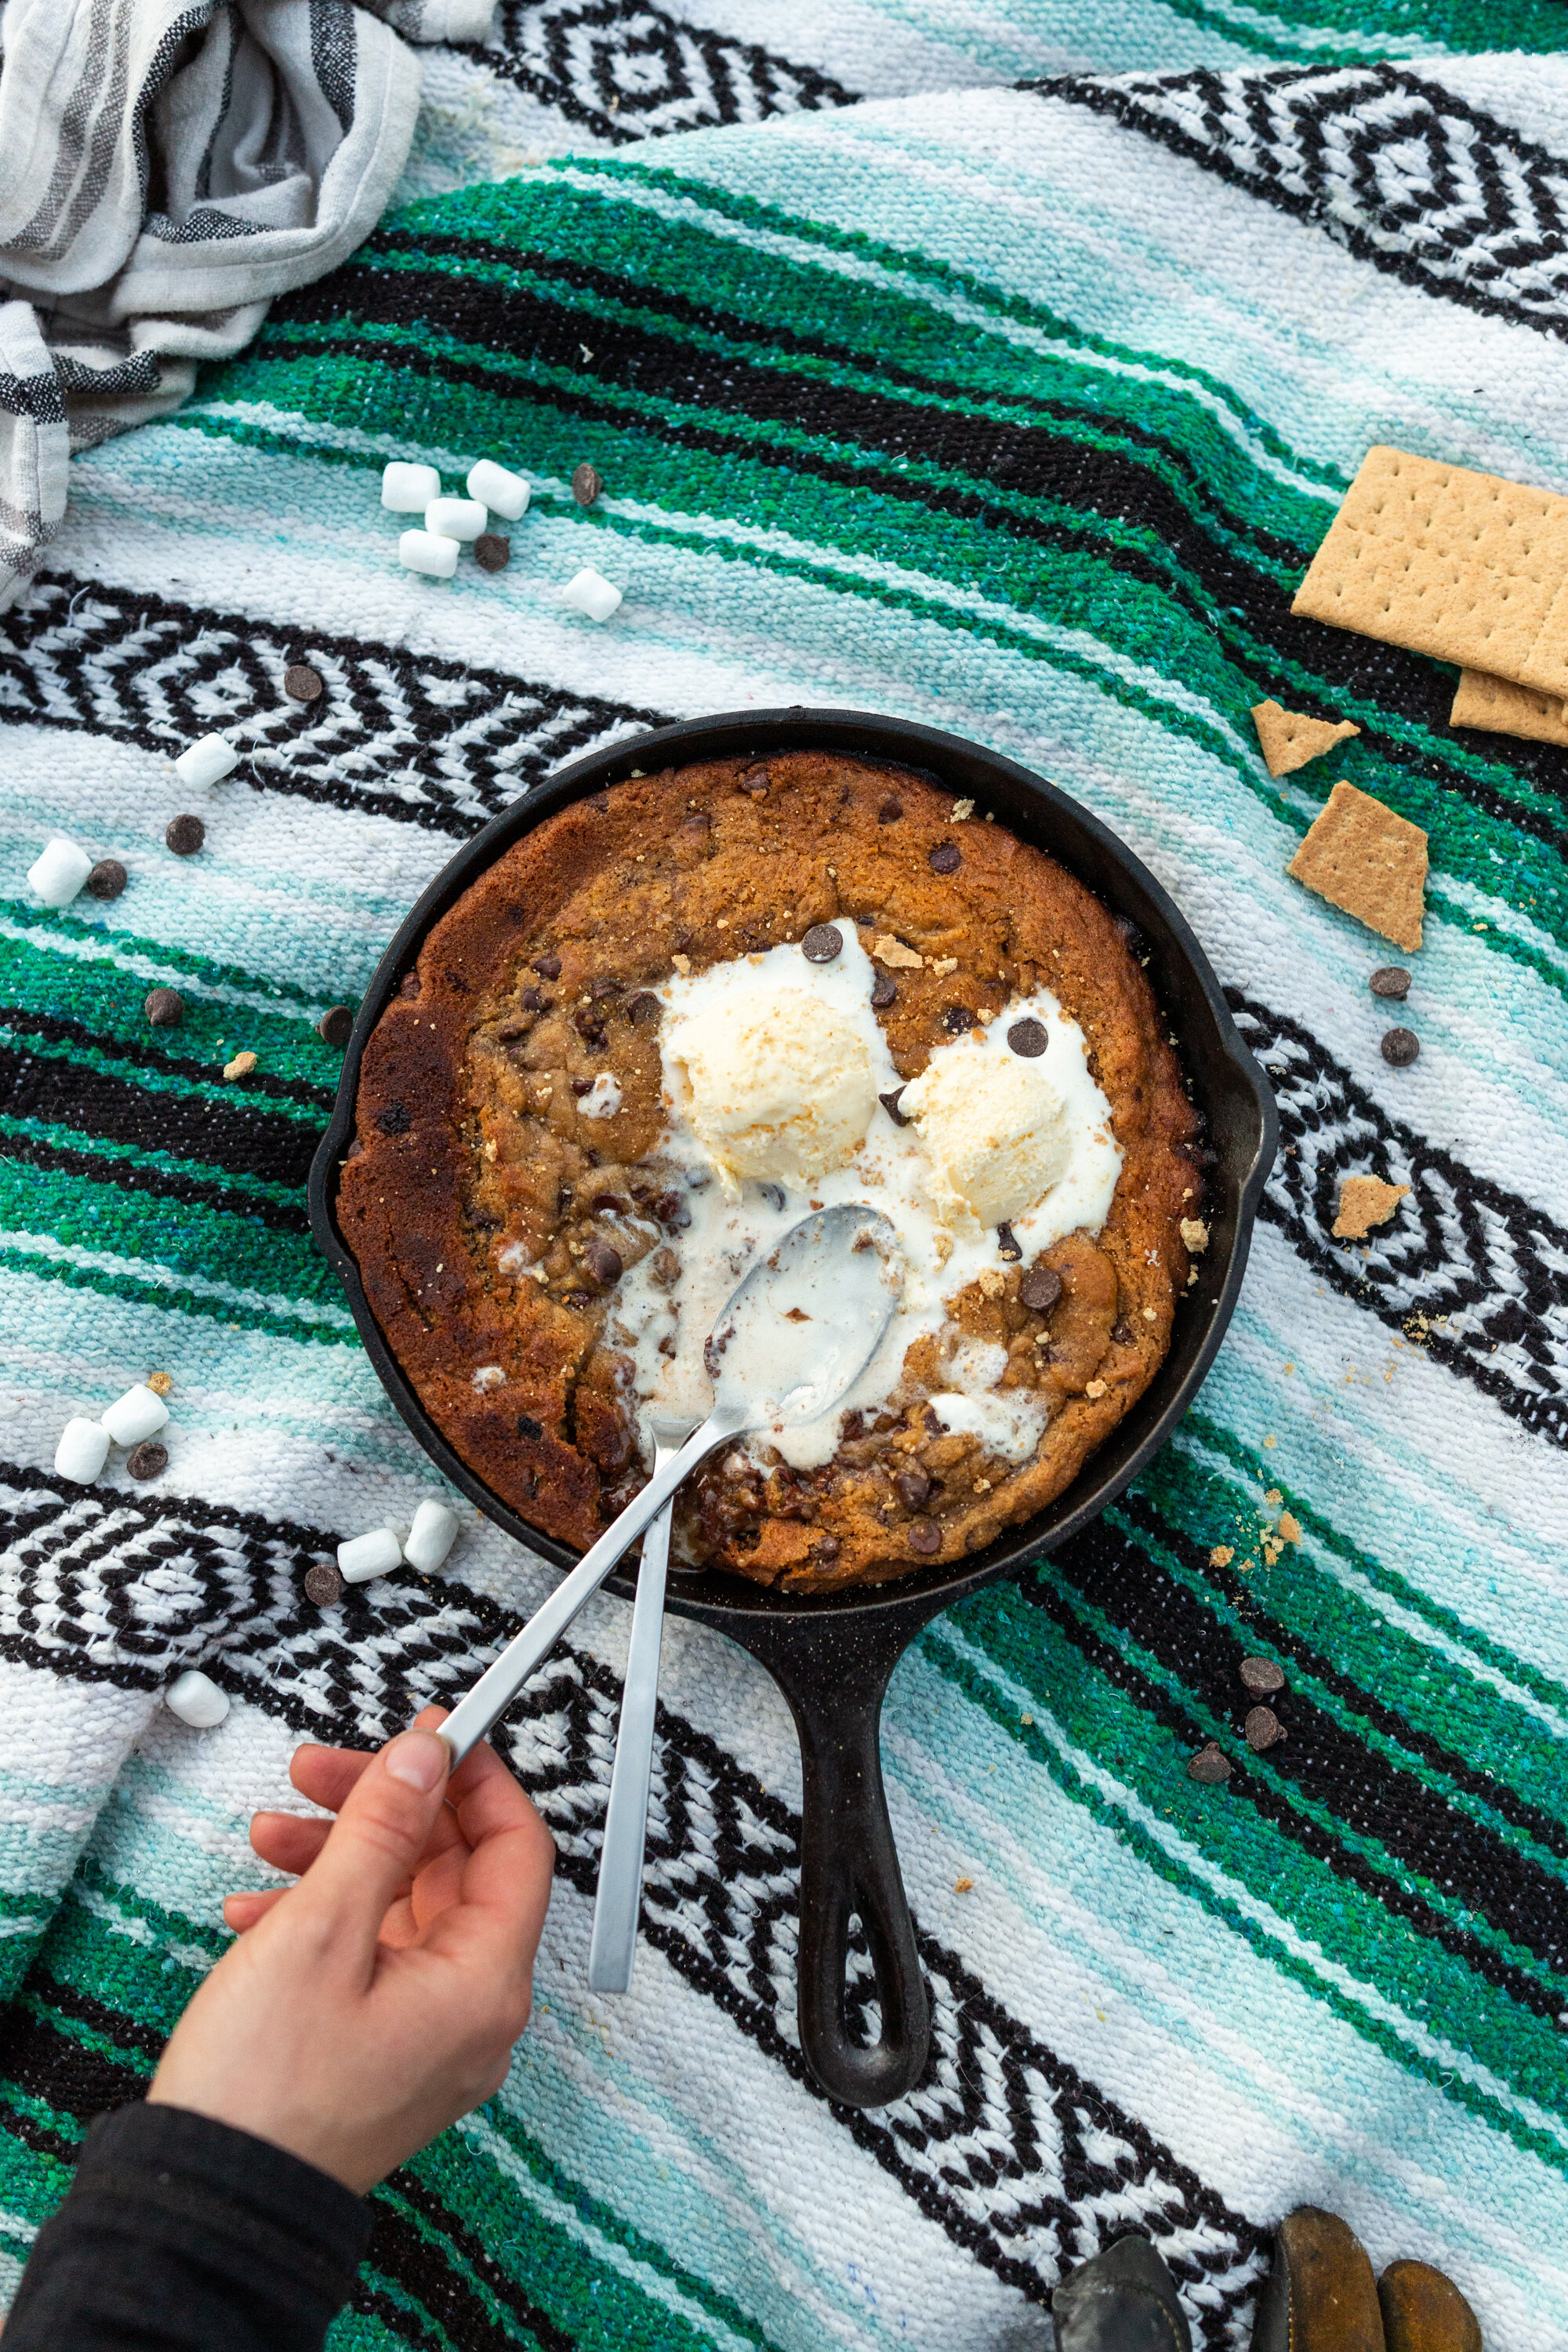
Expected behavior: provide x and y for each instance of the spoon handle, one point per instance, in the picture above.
(482, 1707)
(618, 1902)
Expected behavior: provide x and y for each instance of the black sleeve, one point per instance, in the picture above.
(179, 2234)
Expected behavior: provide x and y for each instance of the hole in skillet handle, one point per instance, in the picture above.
(849, 1865)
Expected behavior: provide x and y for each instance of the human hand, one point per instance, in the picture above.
(365, 2009)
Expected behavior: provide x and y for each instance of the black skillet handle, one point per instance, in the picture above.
(848, 1863)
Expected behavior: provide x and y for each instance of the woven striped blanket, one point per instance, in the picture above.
(1019, 410)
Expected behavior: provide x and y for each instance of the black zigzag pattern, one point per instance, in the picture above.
(624, 71)
(435, 742)
(1405, 173)
(1474, 1274)
(1023, 2162)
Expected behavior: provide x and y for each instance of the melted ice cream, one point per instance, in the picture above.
(983, 1137)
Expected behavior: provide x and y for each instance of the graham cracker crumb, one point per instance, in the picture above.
(961, 810)
(1366, 1201)
(1369, 862)
(1289, 1527)
(942, 965)
(992, 1284)
(1221, 1556)
(240, 1067)
(1288, 738)
(895, 954)
(1194, 1235)
(1095, 1388)
(963, 1885)
(160, 1383)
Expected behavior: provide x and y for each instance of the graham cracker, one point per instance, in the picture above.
(1361, 857)
(1288, 738)
(1469, 567)
(1504, 708)
(1366, 1201)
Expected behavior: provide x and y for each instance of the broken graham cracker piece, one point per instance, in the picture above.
(1469, 567)
(1504, 708)
(1288, 738)
(1366, 1201)
(1364, 859)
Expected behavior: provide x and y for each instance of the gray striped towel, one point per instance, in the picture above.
(165, 169)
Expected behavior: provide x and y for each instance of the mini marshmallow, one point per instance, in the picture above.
(592, 593)
(454, 517)
(196, 1700)
(434, 1532)
(60, 871)
(369, 1555)
(408, 490)
(422, 550)
(140, 1412)
(505, 494)
(206, 763)
(82, 1451)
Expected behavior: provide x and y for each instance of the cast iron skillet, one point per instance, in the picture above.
(832, 1654)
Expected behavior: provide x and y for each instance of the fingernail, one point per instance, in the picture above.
(419, 1759)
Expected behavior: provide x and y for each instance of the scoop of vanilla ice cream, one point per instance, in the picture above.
(777, 1084)
(994, 1128)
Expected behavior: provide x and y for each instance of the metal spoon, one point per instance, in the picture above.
(618, 1902)
(796, 1335)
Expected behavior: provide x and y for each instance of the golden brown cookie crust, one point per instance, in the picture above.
(470, 1130)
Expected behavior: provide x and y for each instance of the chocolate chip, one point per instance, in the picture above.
(1400, 1047)
(528, 1427)
(1388, 980)
(755, 782)
(336, 1027)
(884, 992)
(185, 834)
(166, 1008)
(106, 879)
(822, 943)
(924, 1535)
(585, 484)
(1028, 1038)
(646, 1011)
(603, 1262)
(935, 1426)
(581, 1087)
(408, 986)
(303, 684)
(148, 1460)
(1009, 1247)
(492, 551)
(775, 1195)
(1262, 1726)
(548, 967)
(912, 1487)
(323, 1584)
(529, 1000)
(889, 1103)
(588, 1025)
(826, 1548)
(1262, 1676)
(956, 1018)
(1210, 1763)
(1121, 1333)
(674, 1215)
(1041, 1289)
(393, 1119)
(945, 859)
(600, 800)
(611, 1202)
(890, 812)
